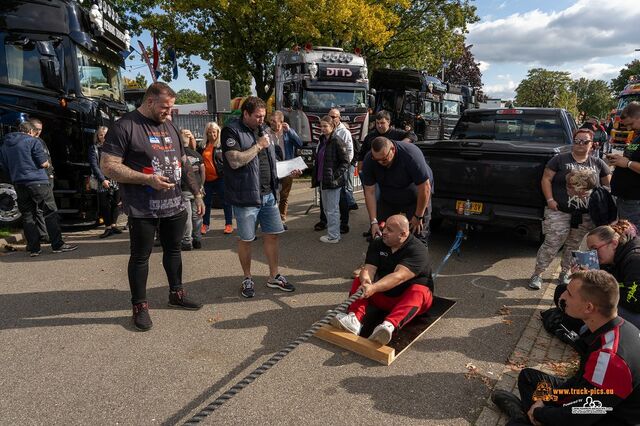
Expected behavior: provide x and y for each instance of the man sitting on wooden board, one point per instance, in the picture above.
(396, 278)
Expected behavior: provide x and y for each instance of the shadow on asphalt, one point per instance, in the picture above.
(422, 396)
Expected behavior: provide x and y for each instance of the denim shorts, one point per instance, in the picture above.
(267, 215)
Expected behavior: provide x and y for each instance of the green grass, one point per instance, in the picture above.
(6, 232)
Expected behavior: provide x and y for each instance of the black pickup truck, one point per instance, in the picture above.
(489, 172)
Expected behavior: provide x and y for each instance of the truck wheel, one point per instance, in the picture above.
(9, 213)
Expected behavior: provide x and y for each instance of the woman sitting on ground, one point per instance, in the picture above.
(618, 250)
(108, 189)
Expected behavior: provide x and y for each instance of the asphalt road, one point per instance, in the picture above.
(70, 355)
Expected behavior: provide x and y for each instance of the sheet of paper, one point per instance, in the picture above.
(285, 168)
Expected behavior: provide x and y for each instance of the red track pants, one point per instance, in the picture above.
(415, 300)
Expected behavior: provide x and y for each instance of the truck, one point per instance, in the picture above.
(456, 100)
(60, 62)
(311, 81)
(630, 93)
(489, 172)
(411, 97)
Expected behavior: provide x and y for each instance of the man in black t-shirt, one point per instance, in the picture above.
(143, 153)
(405, 181)
(625, 182)
(396, 278)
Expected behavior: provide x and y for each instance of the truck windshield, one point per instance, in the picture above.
(326, 99)
(429, 109)
(450, 107)
(98, 77)
(523, 127)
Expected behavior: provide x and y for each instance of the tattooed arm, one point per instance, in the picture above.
(112, 166)
(238, 159)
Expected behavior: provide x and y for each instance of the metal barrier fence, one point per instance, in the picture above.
(193, 122)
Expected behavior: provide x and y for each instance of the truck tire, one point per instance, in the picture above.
(9, 214)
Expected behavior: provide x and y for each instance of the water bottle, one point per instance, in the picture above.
(467, 208)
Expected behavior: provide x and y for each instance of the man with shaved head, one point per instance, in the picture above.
(396, 278)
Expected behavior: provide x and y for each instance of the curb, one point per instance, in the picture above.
(535, 349)
(16, 238)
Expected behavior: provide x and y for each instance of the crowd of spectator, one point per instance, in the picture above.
(146, 168)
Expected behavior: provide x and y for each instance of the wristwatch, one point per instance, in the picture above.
(374, 221)
(420, 218)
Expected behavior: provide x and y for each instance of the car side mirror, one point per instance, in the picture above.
(52, 77)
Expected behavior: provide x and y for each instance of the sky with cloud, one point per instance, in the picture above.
(588, 38)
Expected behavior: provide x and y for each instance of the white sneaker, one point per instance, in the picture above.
(326, 239)
(347, 322)
(564, 278)
(382, 333)
(535, 282)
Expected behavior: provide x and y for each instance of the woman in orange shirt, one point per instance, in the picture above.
(213, 182)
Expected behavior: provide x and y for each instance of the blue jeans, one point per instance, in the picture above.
(630, 210)
(216, 187)
(267, 215)
(331, 206)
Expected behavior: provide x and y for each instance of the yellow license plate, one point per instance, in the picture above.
(476, 208)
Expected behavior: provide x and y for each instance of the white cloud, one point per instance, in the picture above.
(586, 30)
(483, 65)
(502, 5)
(595, 71)
(504, 89)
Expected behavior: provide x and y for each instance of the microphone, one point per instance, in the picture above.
(261, 129)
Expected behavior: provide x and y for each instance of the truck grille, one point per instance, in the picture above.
(355, 128)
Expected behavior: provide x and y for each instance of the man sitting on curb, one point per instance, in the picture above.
(396, 278)
(606, 387)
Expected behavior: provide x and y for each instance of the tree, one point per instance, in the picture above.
(595, 97)
(241, 38)
(189, 96)
(547, 89)
(622, 79)
(464, 70)
(140, 82)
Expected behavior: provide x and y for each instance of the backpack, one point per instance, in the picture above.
(602, 208)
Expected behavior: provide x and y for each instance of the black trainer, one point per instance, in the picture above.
(197, 244)
(107, 233)
(141, 318)
(64, 248)
(281, 283)
(319, 226)
(116, 230)
(248, 288)
(35, 253)
(179, 299)
(510, 405)
(344, 229)
(186, 247)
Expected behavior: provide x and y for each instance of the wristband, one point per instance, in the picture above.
(374, 222)
(550, 200)
(629, 164)
(418, 217)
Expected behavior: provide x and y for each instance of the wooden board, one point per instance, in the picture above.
(385, 354)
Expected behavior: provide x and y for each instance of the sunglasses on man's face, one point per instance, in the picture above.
(578, 141)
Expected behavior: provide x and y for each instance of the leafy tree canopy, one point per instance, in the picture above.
(622, 79)
(189, 96)
(240, 38)
(595, 97)
(548, 89)
(464, 70)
